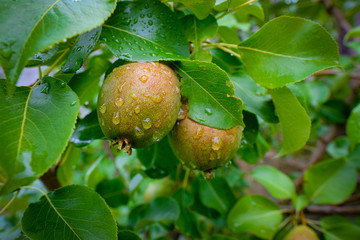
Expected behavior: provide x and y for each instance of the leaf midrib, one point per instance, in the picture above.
(257, 216)
(234, 117)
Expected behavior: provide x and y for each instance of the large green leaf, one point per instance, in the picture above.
(71, 212)
(200, 8)
(288, 49)
(255, 214)
(145, 31)
(210, 93)
(277, 183)
(242, 11)
(158, 159)
(330, 182)
(113, 191)
(353, 125)
(294, 122)
(339, 228)
(29, 26)
(36, 124)
(217, 194)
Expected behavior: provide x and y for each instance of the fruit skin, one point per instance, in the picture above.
(138, 104)
(204, 148)
(301, 233)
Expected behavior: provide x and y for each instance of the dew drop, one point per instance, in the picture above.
(137, 109)
(102, 94)
(73, 103)
(119, 102)
(138, 131)
(156, 98)
(146, 123)
(116, 118)
(45, 89)
(133, 96)
(199, 133)
(142, 15)
(157, 123)
(146, 69)
(103, 108)
(149, 15)
(143, 78)
(177, 90)
(150, 23)
(227, 95)
(216, 143)
(121, 87)
(157, 136)
(62, 85)
(181, 114)
(208, 111)
(102, 122)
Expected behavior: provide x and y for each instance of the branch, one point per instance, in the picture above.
(331, 9)
(329, 209)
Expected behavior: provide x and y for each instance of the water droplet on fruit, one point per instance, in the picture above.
(199, 133)
(119, 102)
(177, 90)
(216, 143)
(137, 109)
(116, 118)
(133, 96)
(156, 98)
(102, 122)
(157, 136)
(102, 94)
(146, 123)
(138, 131)
(103, 108)
(181, 114)
(208, 111)
(158, 123)
(146, 69)
(120, 87)
(143, 78)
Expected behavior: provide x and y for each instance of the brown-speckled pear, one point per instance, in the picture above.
(138, 104)
(204, 148)
(301, 233)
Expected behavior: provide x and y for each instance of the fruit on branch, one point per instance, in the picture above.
(201, 147)
(138, 104)
(301, 233)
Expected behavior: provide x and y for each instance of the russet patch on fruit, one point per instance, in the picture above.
(201, 147)
(138, 104)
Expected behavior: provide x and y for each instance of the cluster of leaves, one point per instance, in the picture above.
(255, 81)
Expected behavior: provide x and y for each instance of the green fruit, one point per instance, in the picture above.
(301, 233)
(138, 104)
(159, 188)
(204, 148)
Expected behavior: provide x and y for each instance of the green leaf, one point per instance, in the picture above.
(300, 202)
(86, 84)
(36, 124)
(113, 191)
(353, 33)
(330, 182)
(200, 8)
(339, 228)
(145, 31)
(294, 122)
(83, 47)
(228, 35)
(217, 194)
(197, 30)
(254, 97)
(335, 110)
(186, 221)
(210, 94)
(31, 26)
(251, 129)
(277, 183)
(71, 212)
(87, 130)
(302, 48)
(158, 159)
(255, 214)
(225, 61)
(353, 126)
(67, 164)
(243, 12)
(128, 235)
(339, 147)
(163, 210)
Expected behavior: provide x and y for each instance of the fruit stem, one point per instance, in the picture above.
(186, 178)
(303, 219)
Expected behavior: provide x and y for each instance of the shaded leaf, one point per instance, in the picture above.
(294, 122)
(87, 130)
(42, 24)
(302, 48)
(113, 191)
(329, 182)
(71, 212)
(255, 214)
(339, 147)
(145, 31)
(36, 124)
(128, 235)
(339, 228)
(335, 110)
(67, 164)
(158, 159)
(200, 8)
(353, 125)
(277, 183)
(210, 95)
